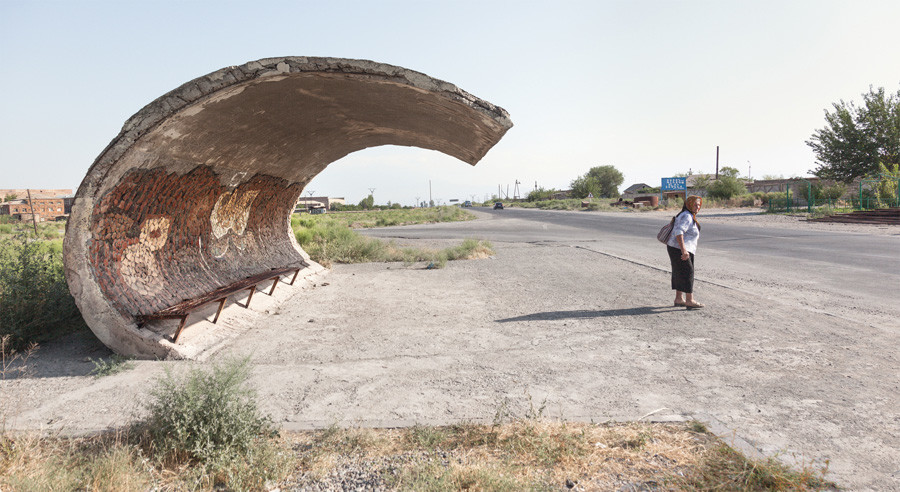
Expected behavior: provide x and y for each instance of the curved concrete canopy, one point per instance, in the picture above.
(197, 189)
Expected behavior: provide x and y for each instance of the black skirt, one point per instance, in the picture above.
(682, 271)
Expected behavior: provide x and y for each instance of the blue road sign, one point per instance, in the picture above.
(674, 184)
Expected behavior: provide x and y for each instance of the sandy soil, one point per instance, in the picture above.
(585, 331)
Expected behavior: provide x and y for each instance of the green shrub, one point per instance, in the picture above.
(834, 191)
(35, 303)
(6, 228)
(540, 194)
(207, 417)
(726, 187)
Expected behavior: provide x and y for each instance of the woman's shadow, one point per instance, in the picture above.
(590, 314)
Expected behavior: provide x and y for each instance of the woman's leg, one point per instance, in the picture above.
(677, 283)
(689, 301)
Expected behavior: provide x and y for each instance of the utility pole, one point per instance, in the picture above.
(418, 203)
(33, 216)
(430, 200)
(516, 190)
(717, 162)
(748, 170)
(309, 200)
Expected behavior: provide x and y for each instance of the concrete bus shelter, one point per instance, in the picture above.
(196, 191)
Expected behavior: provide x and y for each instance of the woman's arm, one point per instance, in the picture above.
(684, 252)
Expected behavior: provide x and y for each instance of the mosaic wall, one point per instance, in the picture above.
(161, 238)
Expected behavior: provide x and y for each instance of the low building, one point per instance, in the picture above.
(632, 190)
(309, 202)
(43, 208)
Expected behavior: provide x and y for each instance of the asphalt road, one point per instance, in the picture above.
(861, 267)
(872, 255)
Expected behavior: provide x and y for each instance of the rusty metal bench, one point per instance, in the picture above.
(183, 309)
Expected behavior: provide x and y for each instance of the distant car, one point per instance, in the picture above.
(498, 206)
(317, 210)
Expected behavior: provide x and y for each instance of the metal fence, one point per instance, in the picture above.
(865, 199)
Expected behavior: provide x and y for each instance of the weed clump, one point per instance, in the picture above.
(210, 420)
(205, 416)
(35, 303)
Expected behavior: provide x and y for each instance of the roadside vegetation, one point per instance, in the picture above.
(203, 430)
(331, 238)
(35, 303)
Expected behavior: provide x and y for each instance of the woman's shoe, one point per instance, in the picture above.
(693, 305)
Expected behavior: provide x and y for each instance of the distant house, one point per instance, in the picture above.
(635, 187)
(632, 190)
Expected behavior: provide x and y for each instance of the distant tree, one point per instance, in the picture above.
(367, 202)
(727, 186)
(10, 197)
(856, 139)
(601, 181)
(540, 194)
(702, 182)
(730, 172)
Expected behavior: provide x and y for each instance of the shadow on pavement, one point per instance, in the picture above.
(587, 313)
(68, 356)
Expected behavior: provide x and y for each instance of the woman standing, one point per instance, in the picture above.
(681, 246)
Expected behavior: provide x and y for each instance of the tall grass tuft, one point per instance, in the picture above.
(35, 303)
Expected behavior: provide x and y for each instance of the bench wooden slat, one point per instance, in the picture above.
(182, 309)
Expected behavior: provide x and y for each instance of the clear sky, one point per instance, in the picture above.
(650, 87)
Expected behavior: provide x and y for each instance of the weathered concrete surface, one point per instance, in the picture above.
(197, 189)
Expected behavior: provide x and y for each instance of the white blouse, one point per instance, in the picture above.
(684, 225)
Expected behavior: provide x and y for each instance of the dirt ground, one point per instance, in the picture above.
(585, 331)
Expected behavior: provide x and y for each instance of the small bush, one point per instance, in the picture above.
(35, 303)
(834, 192)
(205, 417)
(114, 365)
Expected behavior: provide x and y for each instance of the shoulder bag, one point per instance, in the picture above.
(666, 231)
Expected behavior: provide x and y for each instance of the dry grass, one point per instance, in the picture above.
(540, 455)
(520, 455)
